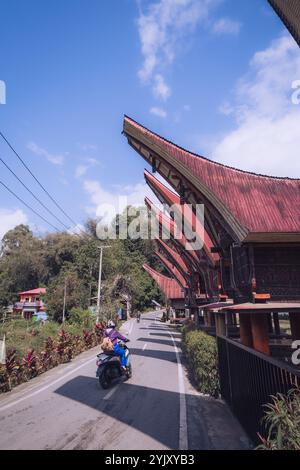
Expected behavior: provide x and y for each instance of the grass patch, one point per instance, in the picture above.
(23, 335)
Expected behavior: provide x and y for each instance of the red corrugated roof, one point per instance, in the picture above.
(173, 255)
(172, 268)
(170, 227)
(39, 290)
(259, 203)
(169, 286)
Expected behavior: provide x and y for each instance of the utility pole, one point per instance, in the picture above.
(65, 295)
(99, 281)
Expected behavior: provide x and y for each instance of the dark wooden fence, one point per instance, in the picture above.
(248, 378)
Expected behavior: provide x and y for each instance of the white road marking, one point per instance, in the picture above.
(111, 392)
(144, 347)
(183, 435)
(130, 331)
(42, 389)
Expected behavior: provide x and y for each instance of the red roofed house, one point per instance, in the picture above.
(30, 302)
(172, 290)
(252, 221)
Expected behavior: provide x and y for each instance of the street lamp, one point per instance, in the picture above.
(99, 281)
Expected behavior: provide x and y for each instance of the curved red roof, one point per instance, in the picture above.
(165, 195)
(171, 228)
(174, 256)
(169, 286)
(172, 269)
(260, 204)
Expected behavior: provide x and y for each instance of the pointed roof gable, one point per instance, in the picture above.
(175, 273)
(251, 204)
(166, 196)
(169, 227)
(173, 255)
(289, 12)
(168, 286)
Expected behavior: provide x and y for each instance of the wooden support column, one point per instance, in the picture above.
(276, 323)
(295, 325)
(270, 323)
(260, 332)
(245, 330)
(228, 321)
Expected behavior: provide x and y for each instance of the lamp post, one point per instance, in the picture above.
(99, 281)
(65, 295)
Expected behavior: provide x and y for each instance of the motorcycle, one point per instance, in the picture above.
(109, 367)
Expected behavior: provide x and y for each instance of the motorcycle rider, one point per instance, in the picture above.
(114, 335)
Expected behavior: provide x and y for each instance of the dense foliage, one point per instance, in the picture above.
(38, 349)
(282, 421)
(58, 260)
(200, 351)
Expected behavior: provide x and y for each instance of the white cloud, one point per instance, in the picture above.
(82, 169)
(161, 29)
(226, 109)
(266, 138)
(87, 147)
(41, 152)
(160, 89)
(158, 112)
(227, 26)
(78, 228)
(106, 204)
(10, 219)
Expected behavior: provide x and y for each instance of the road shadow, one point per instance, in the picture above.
(161, 355)
(151, 411)
(176, 335)
(148, 319)
(153, 328)
(157, 341)
(155, 413)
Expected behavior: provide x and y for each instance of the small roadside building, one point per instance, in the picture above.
(30, 303)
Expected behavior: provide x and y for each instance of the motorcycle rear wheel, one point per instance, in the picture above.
(104, 382)
(129, 372)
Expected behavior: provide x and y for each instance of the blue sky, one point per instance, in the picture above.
(215, 76)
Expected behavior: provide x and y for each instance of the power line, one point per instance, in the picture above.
(28, 206)
(32, 194)
(38, 182)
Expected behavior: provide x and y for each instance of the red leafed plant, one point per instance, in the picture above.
(63, 348)
(77, 344)
(88, 338)
(12, 371)
(30, 364)
(99, 328)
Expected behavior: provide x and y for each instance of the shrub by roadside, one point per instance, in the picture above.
(200, 351)
(282, 422)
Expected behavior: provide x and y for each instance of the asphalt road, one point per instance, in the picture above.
(156, 409)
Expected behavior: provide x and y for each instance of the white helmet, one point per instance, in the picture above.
(111, 324)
